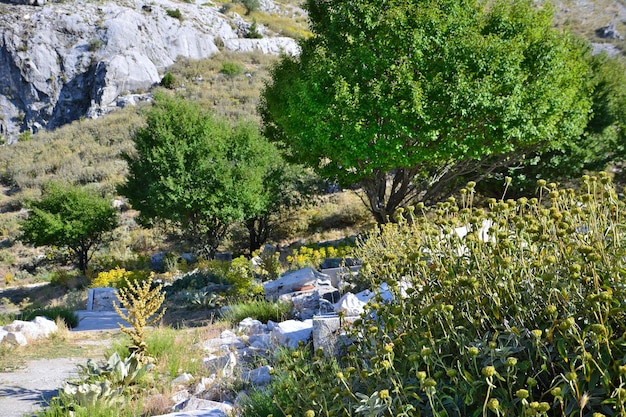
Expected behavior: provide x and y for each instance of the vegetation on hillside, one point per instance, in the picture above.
(500, 307)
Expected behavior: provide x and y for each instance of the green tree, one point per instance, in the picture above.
(406, 98)
(602, 142)
(284, 186)
(72, 217)
(197, 171)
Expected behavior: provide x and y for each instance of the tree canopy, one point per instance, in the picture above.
(403, 97)
(602, 142)
(198, 171)
(70, 216)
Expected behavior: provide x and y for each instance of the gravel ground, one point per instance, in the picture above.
(26, 390)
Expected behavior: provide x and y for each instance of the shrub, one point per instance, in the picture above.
(231, 69)
(168, 80)
(250, 5)
(241, 277)
(195, 280)
(176, 14)
(313, 256)
(118, 278)
(95, 44)
(65, 313)
(253, 31)
(529, 321)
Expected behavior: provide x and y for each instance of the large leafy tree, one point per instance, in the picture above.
(603, 141)
(200, 172)
(72, 217)
(403, 97)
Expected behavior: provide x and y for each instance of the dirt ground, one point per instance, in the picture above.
(28, 389)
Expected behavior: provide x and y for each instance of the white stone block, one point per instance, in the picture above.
(289, 333)
(250, 326)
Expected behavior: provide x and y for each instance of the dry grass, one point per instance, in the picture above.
(585, 16)
(63, 344)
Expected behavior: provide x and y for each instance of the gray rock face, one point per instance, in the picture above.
(62, 61)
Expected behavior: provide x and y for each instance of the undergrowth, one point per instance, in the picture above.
(513, 311)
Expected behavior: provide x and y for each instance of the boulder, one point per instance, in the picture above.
(259, 376)
(46, 326)
(259, 341)
(225, 342)
(182, 379)
(15, 338)
(291, 332)
(329, 334)
(353, 304)
(195, 407)
(609, 32)
(28, 329)
(250, 326)
(222, 365)
(3, 334)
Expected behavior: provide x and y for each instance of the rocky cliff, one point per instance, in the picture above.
(63, 61)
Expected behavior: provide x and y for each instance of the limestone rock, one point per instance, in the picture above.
(46, 326)
(182, 379)
(16, 338)
(222, 365)
(28, 329)
(609, 32)
(66, 60)
(289, 333)
(259, 376)
(353, 304)
(225, 342)
(250, 326)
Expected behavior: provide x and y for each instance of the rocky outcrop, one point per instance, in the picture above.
(63, 61)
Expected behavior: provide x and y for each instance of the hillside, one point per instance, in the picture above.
(62, 61)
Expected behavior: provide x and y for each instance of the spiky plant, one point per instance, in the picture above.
(142, 303)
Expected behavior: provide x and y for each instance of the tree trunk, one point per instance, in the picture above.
(258, 230)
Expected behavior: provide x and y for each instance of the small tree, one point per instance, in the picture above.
(72, 217)
(284, 186)
(197, 171)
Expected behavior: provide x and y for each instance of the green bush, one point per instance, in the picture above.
(231, 69)
(529, 322)
(168, 80)
(66, 313)
(195, 280)
(250, 5)
(176, 14)
(253, 32)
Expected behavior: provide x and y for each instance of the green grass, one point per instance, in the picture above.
(64, 313)
(261, 310)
